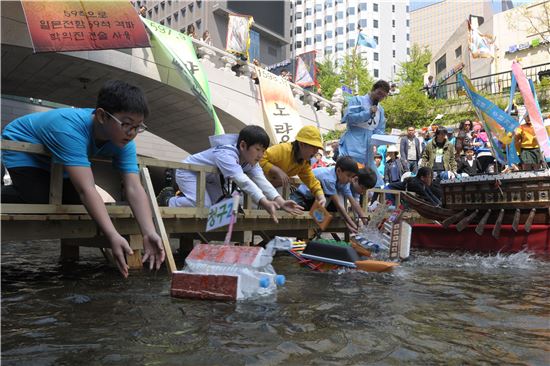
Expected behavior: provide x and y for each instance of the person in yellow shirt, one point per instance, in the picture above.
(527, 143)
(293, 158)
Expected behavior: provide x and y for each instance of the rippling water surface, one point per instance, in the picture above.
(438, 308)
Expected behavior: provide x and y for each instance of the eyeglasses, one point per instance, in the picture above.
(127, 127)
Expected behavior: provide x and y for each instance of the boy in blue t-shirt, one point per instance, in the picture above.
(237, 158)
(335, 181)
(72, 135)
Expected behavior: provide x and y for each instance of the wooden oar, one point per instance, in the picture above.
(481, 226)
(515, 223)
(498, 223)
(530, 219)
(452, 219)
(465, 221)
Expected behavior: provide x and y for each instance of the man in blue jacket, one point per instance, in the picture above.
(364, 117)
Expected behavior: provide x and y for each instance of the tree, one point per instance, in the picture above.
(327, 77)
(532, 19)
(355, 73)
(411, 106)
(412, 72)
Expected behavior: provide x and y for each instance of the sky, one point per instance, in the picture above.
(416, 4)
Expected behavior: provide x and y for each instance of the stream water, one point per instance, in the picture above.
(437, 308)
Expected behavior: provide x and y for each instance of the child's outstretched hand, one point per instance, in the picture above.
(292, 207)
(271, 207)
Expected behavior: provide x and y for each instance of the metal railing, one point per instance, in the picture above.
(499, 83)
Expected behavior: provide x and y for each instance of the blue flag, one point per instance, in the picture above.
(366, 41)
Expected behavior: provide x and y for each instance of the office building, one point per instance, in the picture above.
(331, 28)
(433, 24)
(270, 33)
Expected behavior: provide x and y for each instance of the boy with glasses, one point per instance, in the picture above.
(72, 136)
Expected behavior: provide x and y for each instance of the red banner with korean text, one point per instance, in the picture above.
(57, 26)
(281, 118)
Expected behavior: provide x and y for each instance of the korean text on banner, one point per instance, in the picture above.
(178, 48)
(532, 108)
(57, 26)
(238, 34)
(281, 118)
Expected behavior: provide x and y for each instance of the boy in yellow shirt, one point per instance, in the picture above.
(292, 158)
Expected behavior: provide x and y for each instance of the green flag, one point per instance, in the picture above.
(177, 49)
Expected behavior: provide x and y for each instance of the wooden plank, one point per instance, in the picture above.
(498, 224)
(157, 218)
(201, 189)
(176, 165)
(56, 184)
(515, 222)
(136, 243)
(481, 226)
(69, 250)
(31, 209)
(24, 147)
(465, 221)
(452, 219)
(529, 220)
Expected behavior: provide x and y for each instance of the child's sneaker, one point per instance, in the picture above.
(164, 196)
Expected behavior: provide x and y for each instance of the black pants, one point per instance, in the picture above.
(307, 203)
(32, 185)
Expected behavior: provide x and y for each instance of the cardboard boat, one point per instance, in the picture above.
(324, 255)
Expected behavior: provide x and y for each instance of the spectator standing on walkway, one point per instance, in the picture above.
(143, 11)
(530, 156)
(395, 167)
(394, 90)
(411, 149)
(364, 117)
(439, 156)
(206, 38)
(72, 135)
(191, 31)
(431, 87)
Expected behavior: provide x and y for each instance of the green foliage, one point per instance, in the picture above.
(333, 135)
(327, 77)
(355, 73)
(412, 72)
(409, 107)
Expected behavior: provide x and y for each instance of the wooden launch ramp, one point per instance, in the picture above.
(74, 227)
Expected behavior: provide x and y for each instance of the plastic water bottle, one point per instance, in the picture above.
(251, 282)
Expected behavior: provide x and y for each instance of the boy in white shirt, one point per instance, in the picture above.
(237, 157)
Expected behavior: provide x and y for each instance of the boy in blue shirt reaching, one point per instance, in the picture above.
(237, 158)
(335, 181)
(72, 135)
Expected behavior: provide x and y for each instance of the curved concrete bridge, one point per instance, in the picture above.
(74, 78)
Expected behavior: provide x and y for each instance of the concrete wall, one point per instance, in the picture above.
(147, 144)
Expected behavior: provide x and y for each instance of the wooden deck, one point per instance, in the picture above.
(74, 227)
